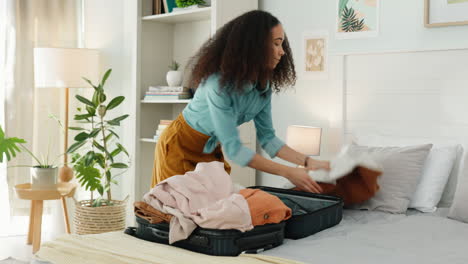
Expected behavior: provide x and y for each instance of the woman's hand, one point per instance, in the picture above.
(313, 164)
(301, 179)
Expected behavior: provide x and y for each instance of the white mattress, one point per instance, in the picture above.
(377, 237)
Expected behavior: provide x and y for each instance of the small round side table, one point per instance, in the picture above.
(37, 197)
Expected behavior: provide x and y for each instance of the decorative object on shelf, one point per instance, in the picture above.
(63, 68)
(174, 76)
(169, 5)
(304, 139)
(94, 159)
(43, 175)
(186, 3)
(357, 19)
(183, 5)
(315, 55)
(445, 13)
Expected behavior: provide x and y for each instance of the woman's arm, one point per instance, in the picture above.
(298, 176)
(289, 154)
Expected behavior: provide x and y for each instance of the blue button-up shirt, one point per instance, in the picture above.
(217, 112)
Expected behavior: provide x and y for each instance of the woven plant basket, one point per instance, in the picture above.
(95, 220)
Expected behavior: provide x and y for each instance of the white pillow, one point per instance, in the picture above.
(402, 169)
(459, 209)
(440, 166)
(436, 171)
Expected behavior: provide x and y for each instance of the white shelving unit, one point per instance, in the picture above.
(160, 39)
(150, 140)
(182, 16)
(181, 101)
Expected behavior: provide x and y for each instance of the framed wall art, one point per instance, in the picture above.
(442, 13)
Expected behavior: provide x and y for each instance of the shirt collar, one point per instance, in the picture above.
(250, 86)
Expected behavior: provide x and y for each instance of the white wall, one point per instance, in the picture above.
(316, 102)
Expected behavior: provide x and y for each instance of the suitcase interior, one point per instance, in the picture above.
(311, 212)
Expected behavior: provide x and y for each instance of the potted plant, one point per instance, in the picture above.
(187, 3)
(174, 76)
(94, 159)
(43, 173)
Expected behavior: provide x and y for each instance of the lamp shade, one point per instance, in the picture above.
(304, 139)
(65, 67)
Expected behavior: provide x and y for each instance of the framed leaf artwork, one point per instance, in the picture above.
(357, 18)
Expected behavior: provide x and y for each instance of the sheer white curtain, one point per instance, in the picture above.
(7, 46)
(32, 23)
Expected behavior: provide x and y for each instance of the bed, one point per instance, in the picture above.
(378, 237)
(396, 98)
(418, 95)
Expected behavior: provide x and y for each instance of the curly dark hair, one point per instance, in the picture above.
(240, 52)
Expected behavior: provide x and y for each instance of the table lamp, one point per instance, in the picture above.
(64, 68)
(304, 139)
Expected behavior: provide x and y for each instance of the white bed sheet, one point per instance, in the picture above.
(378, 237)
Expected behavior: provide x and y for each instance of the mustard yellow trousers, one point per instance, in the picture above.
(179, 149)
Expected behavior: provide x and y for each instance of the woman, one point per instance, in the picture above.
(236, 72)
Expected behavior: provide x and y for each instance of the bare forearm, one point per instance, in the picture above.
(289, 154)
(298, 176)
(260, 163)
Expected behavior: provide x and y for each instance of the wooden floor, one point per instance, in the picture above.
(15, 247)
(13, 240)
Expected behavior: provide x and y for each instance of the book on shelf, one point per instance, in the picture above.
(150, 98)
(167, 93)
(158, 88)
(169, 5)
(163, 124)
(157, 4)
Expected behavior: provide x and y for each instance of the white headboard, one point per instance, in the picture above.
(407, 93)
(420, 94)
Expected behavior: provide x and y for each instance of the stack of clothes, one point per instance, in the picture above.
(207, 198)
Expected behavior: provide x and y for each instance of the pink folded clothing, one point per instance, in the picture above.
(202, 197)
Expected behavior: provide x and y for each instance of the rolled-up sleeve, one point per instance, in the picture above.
(265, 132)
(224, 122)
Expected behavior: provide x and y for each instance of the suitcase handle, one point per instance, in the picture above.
(159, 233)
(194, 239)
(257, 243)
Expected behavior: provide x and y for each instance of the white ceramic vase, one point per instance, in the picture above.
(174, 78)
(43, 178)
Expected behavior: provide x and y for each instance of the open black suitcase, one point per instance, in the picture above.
(311, 213)
(214, 241)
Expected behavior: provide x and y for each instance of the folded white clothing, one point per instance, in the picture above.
(341, 165)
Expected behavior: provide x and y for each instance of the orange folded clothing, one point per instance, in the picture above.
(355, 187)
(265, 208)
(147, 212)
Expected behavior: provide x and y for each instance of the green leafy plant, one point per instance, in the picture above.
(185, 3)
(349, 21)
(96, 146)
(174, 66)
(9, 146)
